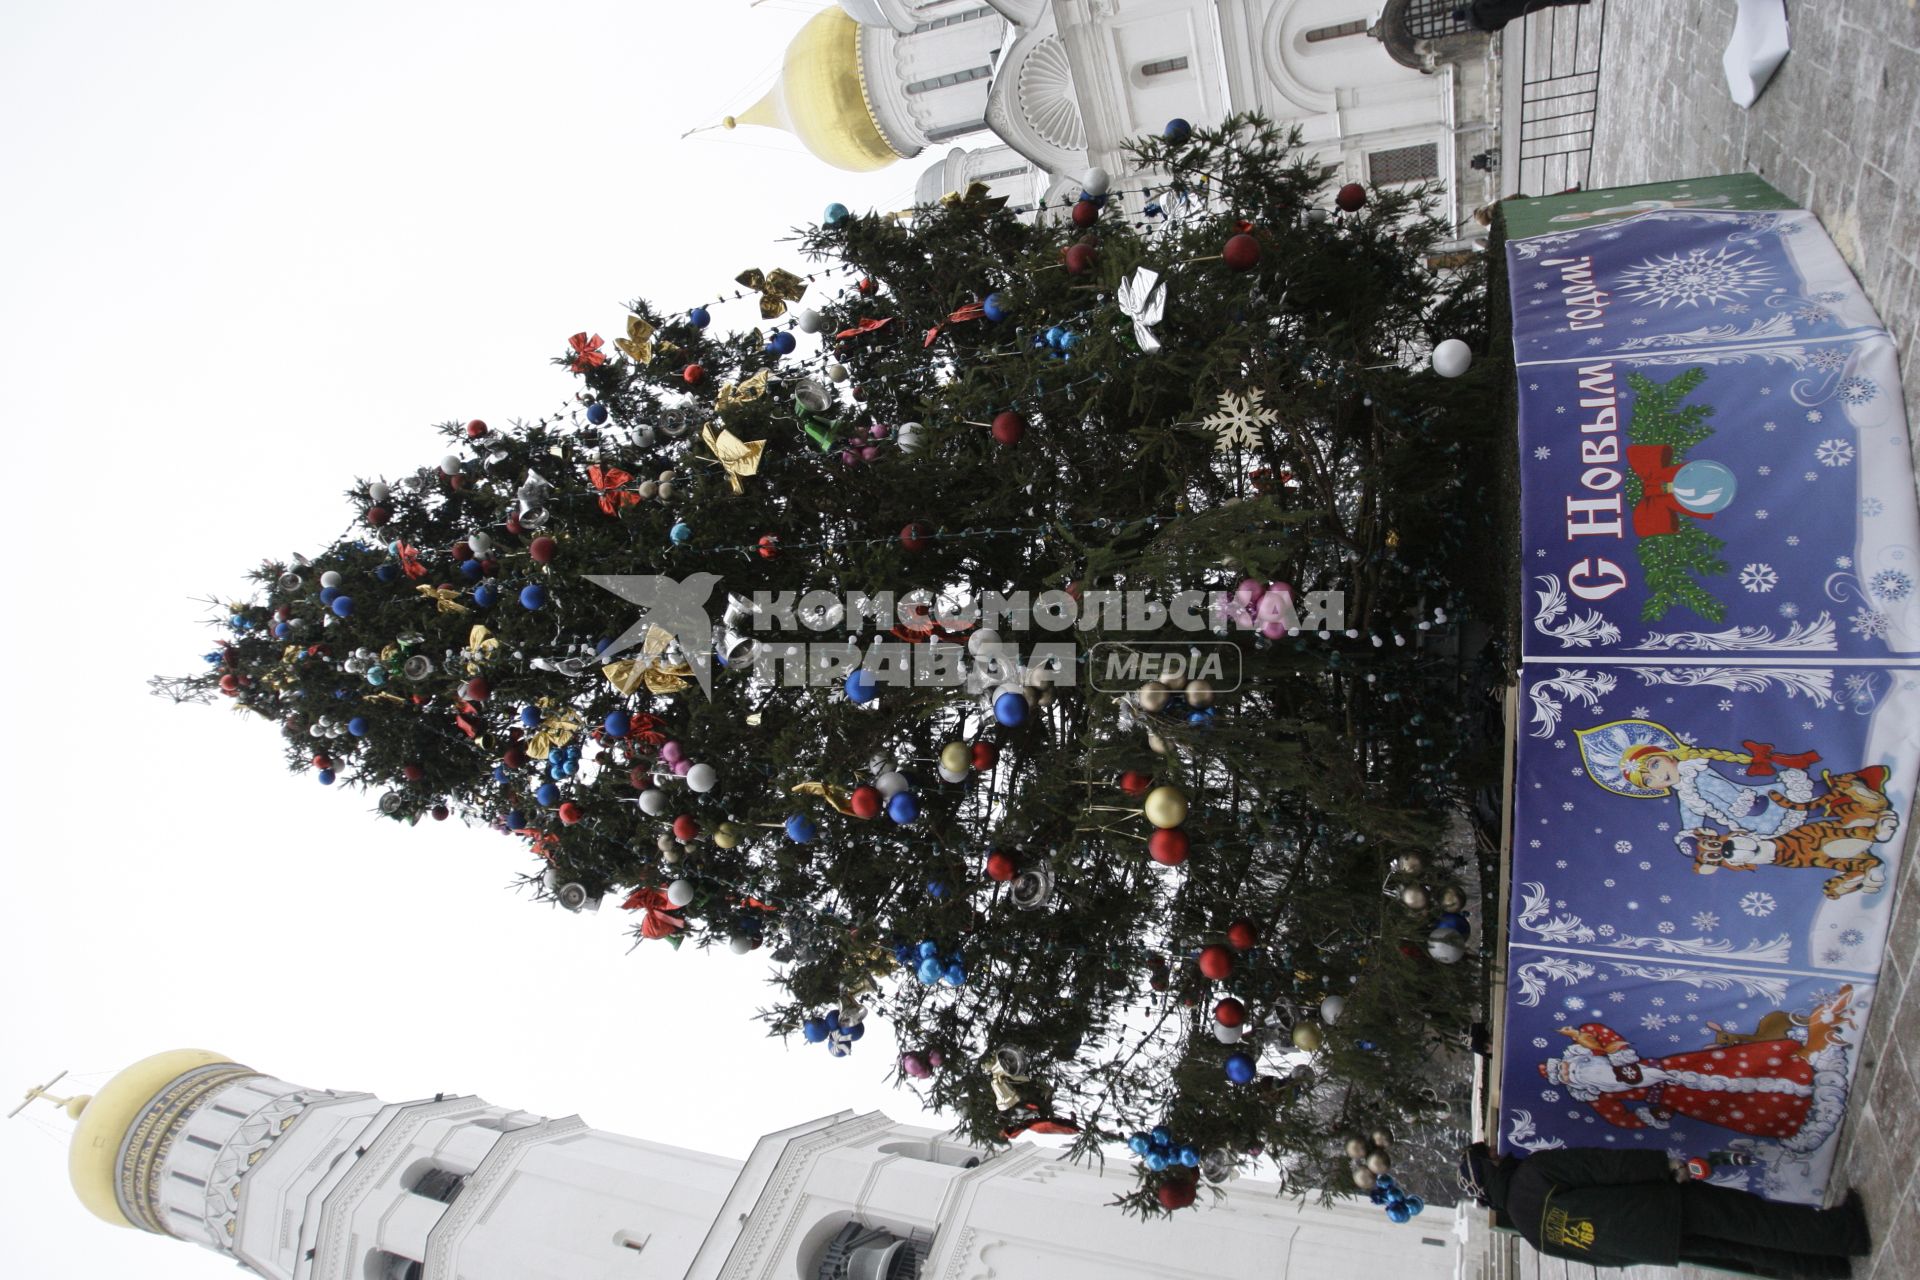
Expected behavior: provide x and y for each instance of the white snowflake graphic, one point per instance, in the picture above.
(1827, 359)
(1769, 426)
(1869, 624)
(1665, 926)
(1533, 844)
(1857, 390)
(1788, 609)
(1810, 476)
(1834, 453)
(1726, 704)
(1815, 416)
(1640, 713)
(1593, 342)
(1539, 1042)
(1695, 276)
(1548, 1095)
(1567, 805)
(1542, 453)
(1658, 1002)
(1892, 584)
(1574, 1004)
(1606, 931)
(1239, 418)
(1793, 539)
(1843, 562)
(1761, 514)
(1653, 1021)
(1758, 905)
(1759, 578)
(1705, 921)
(1646, 866)
(1665, 899)
(1871, 506)
(1561, 864)
(1623, 846)
(1765, 471)
(1618, 997)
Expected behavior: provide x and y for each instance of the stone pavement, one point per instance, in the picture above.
(1838, 130)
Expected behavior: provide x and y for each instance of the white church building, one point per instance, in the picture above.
(1027, 95)
(297, 1183)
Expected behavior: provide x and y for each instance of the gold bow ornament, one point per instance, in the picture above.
(445, 599)
(556, 730)
(631, 674)
(834, 796)
(776, 289)
(736, 457)
(974, 200)
(638, 344)
(738, 393)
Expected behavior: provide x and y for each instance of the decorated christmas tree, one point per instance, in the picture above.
(1058, 658)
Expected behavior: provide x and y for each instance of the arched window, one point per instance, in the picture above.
(935, 1151)
(435, 1183)
(860, 1252)
(382, 1265)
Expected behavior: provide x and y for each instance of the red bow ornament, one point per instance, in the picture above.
(611, 482)
(656, 913)
(972, 311)
(1658, 511)
(586, 352)
(410, 562)
(1765, 758)
(864, 328)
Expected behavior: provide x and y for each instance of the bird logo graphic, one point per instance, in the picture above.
(677, 606)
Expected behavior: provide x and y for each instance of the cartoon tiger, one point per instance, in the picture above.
(1854, 799)
(1831, 846)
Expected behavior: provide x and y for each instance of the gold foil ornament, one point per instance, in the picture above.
(776, 289)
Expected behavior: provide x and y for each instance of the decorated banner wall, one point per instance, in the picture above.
(1720, 725)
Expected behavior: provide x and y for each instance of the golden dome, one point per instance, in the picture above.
(94, 1157)
(821, 97)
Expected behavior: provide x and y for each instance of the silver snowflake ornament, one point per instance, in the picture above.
(1239, 418)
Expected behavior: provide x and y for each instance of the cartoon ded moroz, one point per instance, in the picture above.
(1647, 761)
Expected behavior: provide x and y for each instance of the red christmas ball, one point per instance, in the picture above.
(685, 828)
(476, 689)
(489, 567)
(1085, 213)
(514, 756)
(1135, 783)
(692, 374)
(377, 516)
(916, 536)
(1242, 252)
(869, 286)
(413, 772)
(323, 761)
(1216, 961)
(985, 756)
(461, 550)
(229, 683)
(440, 813)
(543, 550)
(514, 526)
(1242, 935)
(1175, 1194)
(571, 813)
(1168, 846)
(769, 546)
(1008, 427)
(476, 429)
(1080, 258)
(866, 802)
(1230, 1012)
(1001, 866)
(1350, 197)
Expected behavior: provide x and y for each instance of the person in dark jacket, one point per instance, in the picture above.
(1622, 1208)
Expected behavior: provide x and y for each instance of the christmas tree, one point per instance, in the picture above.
(1060, 661)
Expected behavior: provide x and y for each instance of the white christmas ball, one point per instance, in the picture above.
(1451, 358)
(891, 783)
(1446, 946)
(647, 489)
(739, 944)
(1156, 744)
(653, 802)
(665, 490)
(703, 778)
(1199, 693)
(984, 638)
(952, 775)
(837, 371)
(909, 436)
(671, 854)
(331, 578)
(1095, 182)
(1379, 1162)
(680, 892)
(480, 543)
(1227, 1035)
(450, 465)
(1356, 1148)
(1331, 1008)
(1414, 897)
(378, 493)
(808, 319)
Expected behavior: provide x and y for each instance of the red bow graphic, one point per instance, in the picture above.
(1765, 758)
(1658, 511)
(609, 481)
(586, 352)
(656, 920)
(410, 562)
(864, 328)
(972, 311)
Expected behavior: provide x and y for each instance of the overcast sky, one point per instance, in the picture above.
(252, 252)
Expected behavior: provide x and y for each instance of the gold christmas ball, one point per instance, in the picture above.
(726, 835)
(955, 758)
(1156, 744)
(1382, 1138)
(1307, 1037)
(1199, 693)
(1166, 807)
(1414, 897)
(1452, 898)
(1357, 1148)
(1409, 864)
(1364, 1179)
(664, 843)
(670, 856)
(1152, 696)
(1379, 1163)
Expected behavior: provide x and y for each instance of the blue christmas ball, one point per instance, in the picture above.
(861, 686)
(529, 715)
(1455, 921)
(358, 726)
(836, 214)
(1189, 1157)
(1177, 132)
(596, 413)
(929, 970)
(281, 631)
(682, 532)
(376, 676)
(1376, 1196)
(1138, 1144)
(484, 595)
(602, 645)
(1414, 1205)
(619, 724)
(385, 573)
(856, 1031)
(1196, 717)
(1056, 335)
(995, 307)
(699, 318)
(547, 795)
(833, 1019)
(1010, 709)
(781, 343)
(928, 949)
(516, 820)
(903, 953)
(565, 769)
(1240, 1068)
(1705, 487)
(955, 975)
(1161, 1135)
(935, 889)
(499, 773)
(1069, 340)
(1387, 1185)
(1153, 209)
(471, 568)
(329, 594)
(800, 829)
(814, 1030)
(1399, 1212)
(902, 807)
(326, 777)
(533, 596)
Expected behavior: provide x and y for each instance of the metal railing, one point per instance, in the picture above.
(1550, 90)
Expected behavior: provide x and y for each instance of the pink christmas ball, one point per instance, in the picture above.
(1249, 591)
(879, 431)
(1240, 615)
(849, 457)
(915, 1065)
(1272, 605)
(936, 1057)
(671, 751)
(680, 768)
(869, 452)
(1273, 628)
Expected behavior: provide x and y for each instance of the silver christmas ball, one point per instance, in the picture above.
(680, 892)
(1414, 897)
(378, 493)
(331, 578)
(450, 465)
(1357, 1148)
